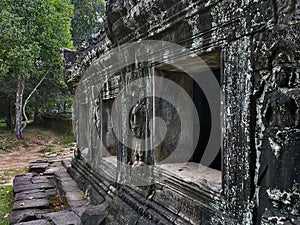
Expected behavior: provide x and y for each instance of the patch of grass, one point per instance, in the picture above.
(6, 202)
(50, 149)
(8, 141)
(7, 175)
(6, 193)
(66, 140)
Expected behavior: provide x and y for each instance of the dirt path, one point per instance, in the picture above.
(38, 143)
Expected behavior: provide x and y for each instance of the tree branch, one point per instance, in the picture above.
(29, 96)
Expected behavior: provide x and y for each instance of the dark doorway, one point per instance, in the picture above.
(204, 115)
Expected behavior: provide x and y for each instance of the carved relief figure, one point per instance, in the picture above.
(281, 103)
(280, 167)
(138, 125)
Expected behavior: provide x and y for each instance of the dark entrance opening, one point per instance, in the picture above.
(200, 101)
(204, 115)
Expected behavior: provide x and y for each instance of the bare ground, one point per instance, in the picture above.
(38, 143)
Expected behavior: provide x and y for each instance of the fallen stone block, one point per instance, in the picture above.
(80, 210)
(39, 179)
(75, 195)
(95, 215)
(51, 171)
(28, 196)
(19, 216)
(38, 167)
(23, 178)
(69, 186)
(27, 187)
(77, 203)
(35, 222)
(62, 174)
(63, 218)
(33, 203)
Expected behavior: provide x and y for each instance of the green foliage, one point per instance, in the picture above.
(44, 101)
(88, 19)
(6, 202)
(32, 33)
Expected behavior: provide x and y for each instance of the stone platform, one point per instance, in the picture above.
(48, 195)
(65, 193)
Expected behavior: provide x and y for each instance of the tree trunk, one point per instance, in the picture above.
(19, 103)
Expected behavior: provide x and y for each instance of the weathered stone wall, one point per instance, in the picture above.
(59, 122)
(257, 43)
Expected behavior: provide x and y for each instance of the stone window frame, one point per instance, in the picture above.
(234, 199)
(206, 194)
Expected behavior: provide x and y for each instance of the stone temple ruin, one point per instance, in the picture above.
(251, 48)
